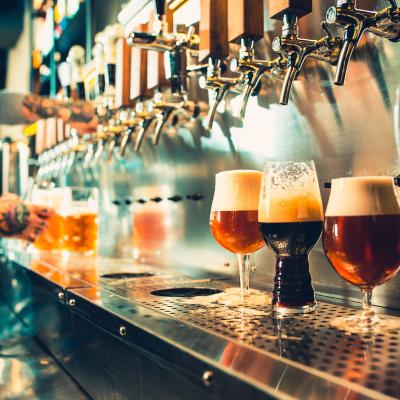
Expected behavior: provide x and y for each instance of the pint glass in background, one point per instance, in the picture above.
(234, 217)
(51, 239)
(291, 219)
(80, 211)
(362, 243)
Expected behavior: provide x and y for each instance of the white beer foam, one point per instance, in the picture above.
(237, 190)
(290, 193)
(367, 195)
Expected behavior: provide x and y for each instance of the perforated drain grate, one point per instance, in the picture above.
(127, 275)
(185, 292)
(373, 362)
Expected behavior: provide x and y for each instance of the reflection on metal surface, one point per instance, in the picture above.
(245, 341)
(26, 370)
(349, 130)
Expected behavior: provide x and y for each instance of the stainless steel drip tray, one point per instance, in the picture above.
(298, 356)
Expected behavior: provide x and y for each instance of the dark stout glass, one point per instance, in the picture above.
(291, 242)
(364, 250)
(290, 220)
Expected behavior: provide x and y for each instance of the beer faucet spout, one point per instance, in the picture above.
(384, 23)
(297, 49)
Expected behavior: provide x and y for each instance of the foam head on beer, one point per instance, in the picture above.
(290, 193)
(237, 190)
(362, 196)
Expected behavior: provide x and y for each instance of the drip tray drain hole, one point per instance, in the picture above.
(185, 292)
(127, 275)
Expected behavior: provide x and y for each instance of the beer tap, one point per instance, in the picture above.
(108, 137)
(145, 118)
(176, 48)
(214, 49)
(65, 77)
(76, 60)
(297, 49)
(245, 27)
(384, 23)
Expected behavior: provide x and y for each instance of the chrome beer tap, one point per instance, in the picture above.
(213, 50)
(176, 48)
(76, 60)
(144, 117)
(253, 70)
(296, 49)
(218, 85)
(384, 23)
(245, 28)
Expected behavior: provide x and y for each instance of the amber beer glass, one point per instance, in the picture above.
(234, 216)
(362, 242)
(80, 212)
(291, 219)
(51, 239)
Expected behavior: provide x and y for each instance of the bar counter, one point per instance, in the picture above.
(99, 319)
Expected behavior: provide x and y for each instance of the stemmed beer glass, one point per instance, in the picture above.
(290, 216)
(234, 217)
(362, 242)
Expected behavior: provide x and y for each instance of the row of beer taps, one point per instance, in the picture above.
(184, 58)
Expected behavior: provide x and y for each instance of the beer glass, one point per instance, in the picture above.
(234, 217)
(51, 239)
(362, 243)
(80, 212)
(290, 217)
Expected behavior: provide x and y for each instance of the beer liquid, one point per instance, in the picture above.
(237, 231)
(364, 250)
(291, 242)
(52, 237)
(81, 232)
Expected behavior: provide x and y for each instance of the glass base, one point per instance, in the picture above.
(294, 310)
(361, 325)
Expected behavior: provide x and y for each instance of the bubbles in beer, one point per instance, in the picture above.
(293, 194)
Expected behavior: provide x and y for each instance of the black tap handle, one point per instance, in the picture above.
(141, 38)
(327, 185)
(159, 6)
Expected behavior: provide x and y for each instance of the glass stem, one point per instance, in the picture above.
(367, 313)
(244, 273)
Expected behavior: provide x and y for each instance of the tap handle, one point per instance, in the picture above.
(159, 6)
(393, 4)
(141, 38)
(213, 30)
(245, 20)
(279, 8)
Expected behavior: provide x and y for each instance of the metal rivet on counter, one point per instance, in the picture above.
(207, 377)
(71, 302)
(61, 295)
(122, 330)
